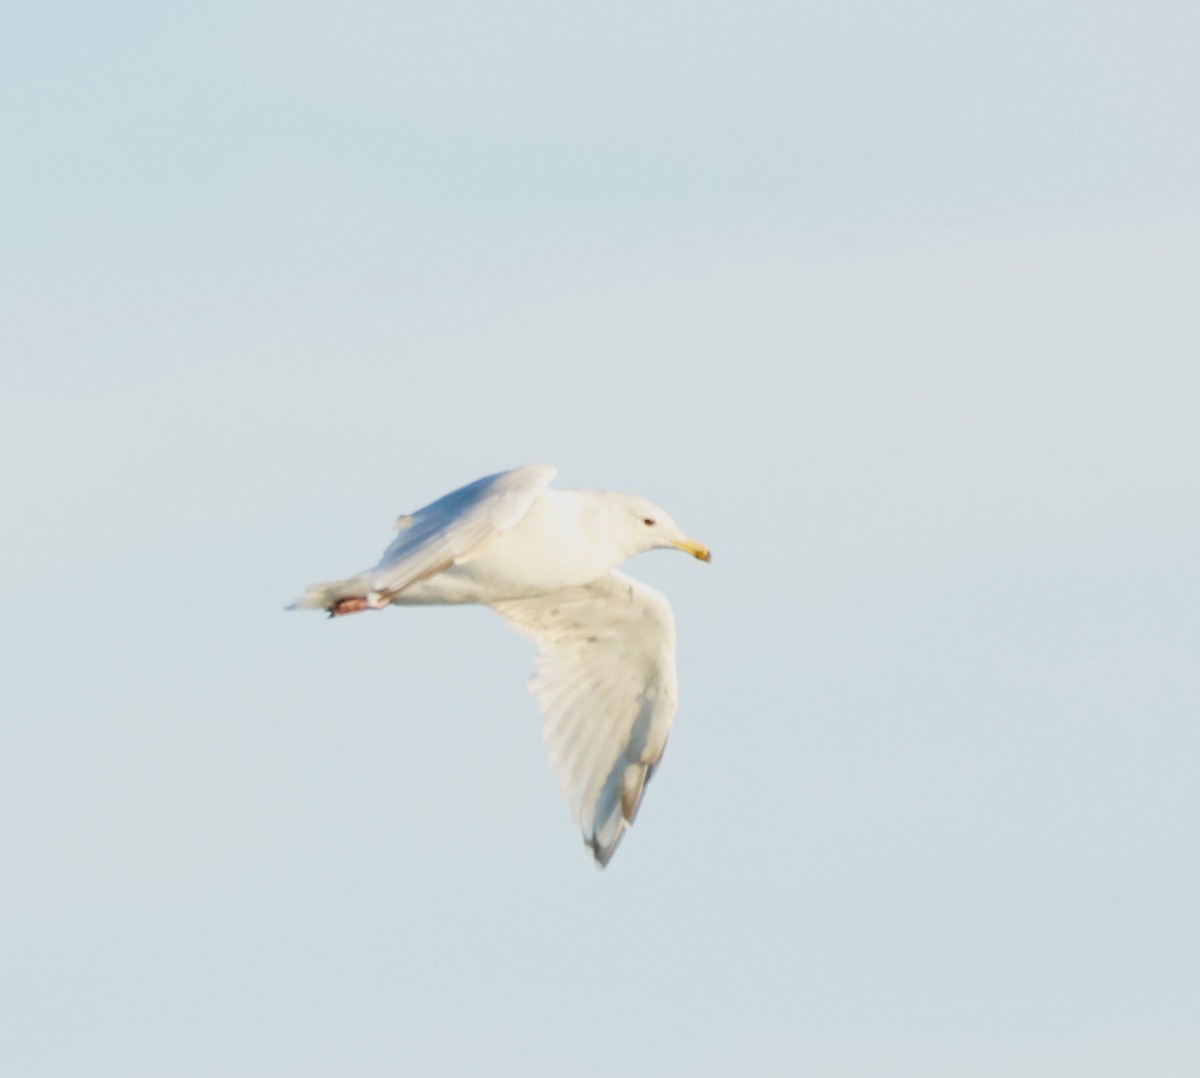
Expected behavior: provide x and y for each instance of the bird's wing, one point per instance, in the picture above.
(458, 526)
(450, 531)
(606, 685)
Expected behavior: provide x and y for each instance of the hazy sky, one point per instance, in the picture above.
(894, 306)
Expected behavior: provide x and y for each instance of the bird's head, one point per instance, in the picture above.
(650, 528)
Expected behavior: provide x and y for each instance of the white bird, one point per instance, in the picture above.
(545, 561)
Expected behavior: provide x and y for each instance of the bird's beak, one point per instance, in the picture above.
(695, 549)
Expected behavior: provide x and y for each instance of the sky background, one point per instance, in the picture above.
(894, 306)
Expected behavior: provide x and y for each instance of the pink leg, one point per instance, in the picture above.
(349, 606)
(354, 603)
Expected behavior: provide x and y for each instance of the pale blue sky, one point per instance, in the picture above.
(892, 305)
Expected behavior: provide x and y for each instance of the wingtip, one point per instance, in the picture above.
(601, 855)
(602, 852)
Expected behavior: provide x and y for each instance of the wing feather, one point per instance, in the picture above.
(606, 685)
(458, 527)
(452, 530)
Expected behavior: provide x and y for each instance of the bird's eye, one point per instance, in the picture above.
(649, 522)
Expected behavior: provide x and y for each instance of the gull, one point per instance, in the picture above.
(545, 560)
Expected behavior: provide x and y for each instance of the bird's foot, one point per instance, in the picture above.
(354, 603)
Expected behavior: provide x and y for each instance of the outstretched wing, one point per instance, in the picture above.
(606, 685)
(450, 531)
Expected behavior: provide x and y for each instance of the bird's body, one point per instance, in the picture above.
(538, 555)
(545, 560)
